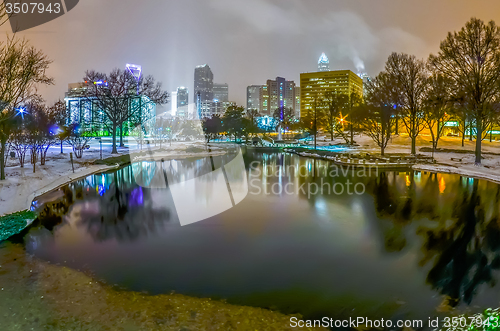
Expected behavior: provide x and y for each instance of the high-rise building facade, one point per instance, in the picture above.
(86, 112)
(203, 83)
(366, 80)
(182, 101)
(281, 93)
(208, 109)
(221, 92)
(314, 85)
(182, 96)
(275, 94)
(255, 98)
(323, 63)
(297, 102)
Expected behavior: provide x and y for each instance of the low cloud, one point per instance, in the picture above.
(343, 35)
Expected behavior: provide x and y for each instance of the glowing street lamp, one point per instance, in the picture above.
(21, 111)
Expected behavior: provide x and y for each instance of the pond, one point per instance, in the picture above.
(308, 238)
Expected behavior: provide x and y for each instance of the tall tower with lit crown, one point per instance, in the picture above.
(323, 63)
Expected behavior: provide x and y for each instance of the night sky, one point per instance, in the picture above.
(245, 42)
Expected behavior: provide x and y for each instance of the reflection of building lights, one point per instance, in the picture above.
(442, 185)
(136, 197)
(408, 181)
(417, 177)
(101, 189)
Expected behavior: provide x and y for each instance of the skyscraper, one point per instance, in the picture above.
(275, 94)
(297, 102)
(323, 63)
(255, 98)
(182, 96)
(203, 83)
(281, 94)
(221, 92)
(314, 85)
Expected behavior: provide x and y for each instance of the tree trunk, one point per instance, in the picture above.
(43, 155)
(2, 160)
(383, 136)
(413, 145)
(479, 128)
(61, 146)
(21, 157)
(463, 135)
(121, 135)
(352, 133)
(114, 151)
(34, 154)
(397, 125)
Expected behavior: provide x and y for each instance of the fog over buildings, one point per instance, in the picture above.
(244, 42)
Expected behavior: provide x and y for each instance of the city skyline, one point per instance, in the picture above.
(200, 34)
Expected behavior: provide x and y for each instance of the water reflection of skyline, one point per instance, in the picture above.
(446, 226)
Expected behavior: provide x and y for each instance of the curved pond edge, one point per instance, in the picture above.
(11, 220)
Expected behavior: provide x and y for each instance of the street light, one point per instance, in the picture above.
(21, 111)
(100, 146)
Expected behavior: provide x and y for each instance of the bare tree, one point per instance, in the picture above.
(352, 107)
(377, 112)
(410, 78)
(122, 98)
(4, 14)
(19, 142)
(22, 67)
(79, 139)
(42, 128)
(470, 58)
(58, 114)
(437, 107)
(333, 120)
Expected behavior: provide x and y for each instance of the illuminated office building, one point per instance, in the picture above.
(182, 96)
(297, 101)
(221, 92)
(275, 94)
(86, 113)
(255, 98)
(203, 84)
(207, 109)
(314, 85)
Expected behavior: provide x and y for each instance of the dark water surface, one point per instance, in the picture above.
(411, 245)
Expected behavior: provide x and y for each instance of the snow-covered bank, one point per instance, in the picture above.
(21, 185)
(463, 170)
(460, 161)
